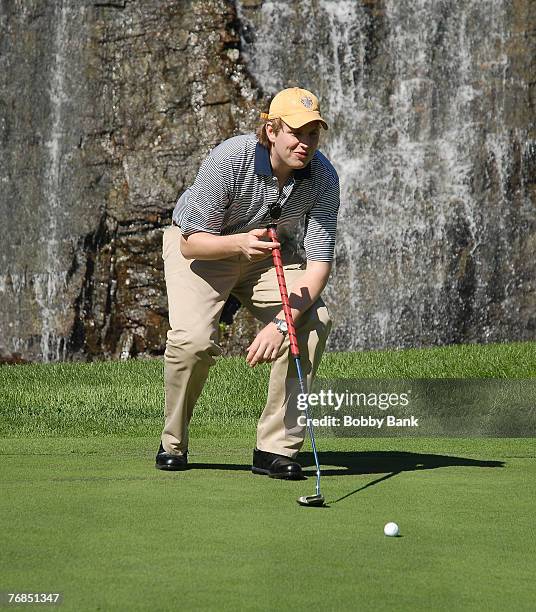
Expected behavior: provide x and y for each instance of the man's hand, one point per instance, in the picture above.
(265, 347)
(254, 247)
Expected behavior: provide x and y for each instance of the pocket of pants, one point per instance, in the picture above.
(171, 236)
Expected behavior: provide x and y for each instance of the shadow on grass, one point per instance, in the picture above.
(340, 463)
(382, 462)
(389, 463)
(228, 467)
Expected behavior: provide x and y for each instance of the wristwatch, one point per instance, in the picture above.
(281, 325)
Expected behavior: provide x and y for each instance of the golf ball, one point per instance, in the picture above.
(391, 529)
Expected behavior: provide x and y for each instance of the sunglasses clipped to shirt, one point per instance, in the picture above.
(275, 211)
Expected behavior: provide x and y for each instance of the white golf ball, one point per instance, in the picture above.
(391, 529)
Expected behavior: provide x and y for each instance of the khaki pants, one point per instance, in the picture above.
(197, 291)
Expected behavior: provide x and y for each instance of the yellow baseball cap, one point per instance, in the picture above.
(295, 107)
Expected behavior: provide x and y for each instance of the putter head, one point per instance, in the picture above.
(312, 501)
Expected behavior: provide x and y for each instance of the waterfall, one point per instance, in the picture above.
(42, 179)
(414, 93)
(107, 108)
(50, 285)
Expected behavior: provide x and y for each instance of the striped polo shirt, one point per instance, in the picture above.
(235, 187)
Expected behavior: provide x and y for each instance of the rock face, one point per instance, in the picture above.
(114, 107)
(432, 106)
(107, 109)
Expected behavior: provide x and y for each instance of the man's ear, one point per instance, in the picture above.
(270, 132)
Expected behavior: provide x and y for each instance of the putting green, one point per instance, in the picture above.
(94, 520)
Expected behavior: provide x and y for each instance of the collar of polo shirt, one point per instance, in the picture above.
(264, 167)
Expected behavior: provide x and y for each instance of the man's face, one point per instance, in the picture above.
(295, 147)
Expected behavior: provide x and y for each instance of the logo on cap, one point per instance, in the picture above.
(307, 102)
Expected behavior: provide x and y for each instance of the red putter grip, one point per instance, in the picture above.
(276, 254)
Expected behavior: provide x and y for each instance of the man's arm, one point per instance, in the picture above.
(302, 296)
(205, 246)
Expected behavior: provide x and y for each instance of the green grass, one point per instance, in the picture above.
(85, 513)
(126, 398)
(111, 533)
(512, 360)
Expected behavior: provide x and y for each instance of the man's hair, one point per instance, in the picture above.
(277, 126)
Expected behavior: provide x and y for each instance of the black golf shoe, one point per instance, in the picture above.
(276, 466)
(167, 461)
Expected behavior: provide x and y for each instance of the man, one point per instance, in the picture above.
(218, 245)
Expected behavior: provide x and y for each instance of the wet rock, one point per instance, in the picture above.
(108, 108)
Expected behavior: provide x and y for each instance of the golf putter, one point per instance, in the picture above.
(307, 500)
